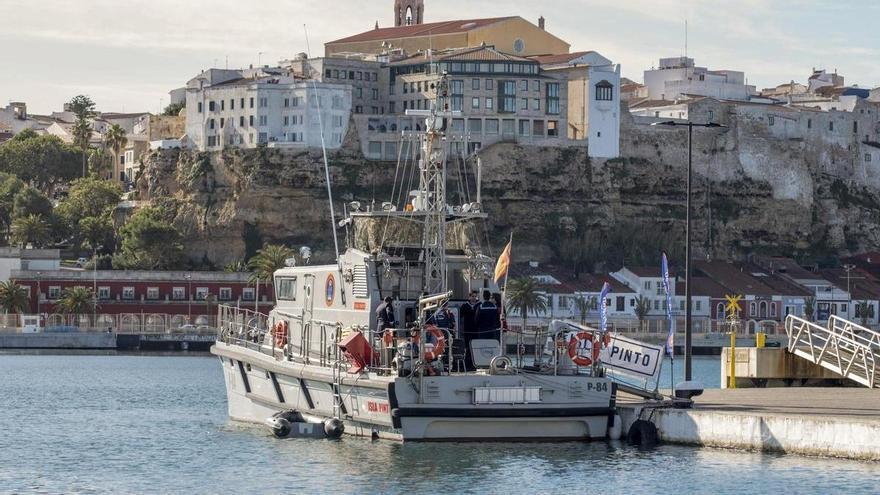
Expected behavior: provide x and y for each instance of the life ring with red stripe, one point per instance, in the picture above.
(280, 331)
(577, 346)
(439, 346)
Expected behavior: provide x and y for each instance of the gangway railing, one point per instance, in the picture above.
(848, 349)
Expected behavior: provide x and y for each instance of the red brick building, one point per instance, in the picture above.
(179, 297)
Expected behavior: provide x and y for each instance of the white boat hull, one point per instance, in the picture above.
(571, 407)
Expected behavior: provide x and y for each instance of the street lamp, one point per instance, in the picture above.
(688, 331)
(188, 278)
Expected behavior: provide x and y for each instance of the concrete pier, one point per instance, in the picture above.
(833, 422)
(69, 340)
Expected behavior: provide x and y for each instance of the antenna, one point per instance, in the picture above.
(324, 151)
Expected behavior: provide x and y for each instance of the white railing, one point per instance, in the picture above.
(843, 347)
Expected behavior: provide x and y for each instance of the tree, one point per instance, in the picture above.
(13, 297)
(809, 307)
(42, 161)
(84, 109)
(117, 140)
(96, 232)
(30, 201)
(149, 242)
(268, 260)
(30, 229)
(77, 301)
(100, 162)
(173, 109)
(523, 295)
(236, 266)
(641, 309)
(583, 305)
(10, 186)
(88, 197)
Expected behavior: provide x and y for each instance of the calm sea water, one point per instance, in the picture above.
(134, 424)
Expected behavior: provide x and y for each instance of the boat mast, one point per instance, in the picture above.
(432, 186)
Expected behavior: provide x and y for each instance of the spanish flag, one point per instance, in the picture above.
(503, 264)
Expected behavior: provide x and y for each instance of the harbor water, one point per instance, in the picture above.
(151, 424)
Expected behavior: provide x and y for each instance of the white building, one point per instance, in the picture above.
(270, 106)
(821, 79)
(677, 76)
(593, 101)
(28, 259)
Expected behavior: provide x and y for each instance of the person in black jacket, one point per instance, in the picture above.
(385, 316)
(467, 313)
(487, 319)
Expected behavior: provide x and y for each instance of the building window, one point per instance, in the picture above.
(490, 103)
(222, 105)
(241, 103)
(241, 121)
(264, 102)
(523, 85)
(222, 122)
(251, 120)
(211, 124)
(225, 293)
(178, 293)
(508, 126)
(210, 106)
(831, 126)
(128, 293)
(507, 96)
(375, 94)
(604, 91)
(771, 120)
(523, 103)
(809, 123)
(536, 104)
(264, 119)
(252, 102)
(719, 311)
(247, 294)
(201, 292)
(490, 84)
(475, 84)
(711, 115)
(152, 293)
(553, 98)
(475, 126)
(200, 107)
(681, 305)
(475, 101)
(552, 128)
(103, 292)
(538, 128)
(457, 94)
(773, 310)
(753, 309)
(697, 305)
(54, 292)
(491, 126)
(524, 127)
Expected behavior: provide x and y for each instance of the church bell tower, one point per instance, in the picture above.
(408, 12)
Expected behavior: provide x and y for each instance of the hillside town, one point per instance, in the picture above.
(512, 81)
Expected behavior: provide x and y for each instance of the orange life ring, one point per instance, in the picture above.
(280, 331)
(578, 341)
(439, 347)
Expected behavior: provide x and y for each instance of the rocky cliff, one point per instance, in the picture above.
(752, 194)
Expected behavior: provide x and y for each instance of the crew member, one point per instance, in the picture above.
(385, 316)
(487, 319)
(443, 318)
(467, 313)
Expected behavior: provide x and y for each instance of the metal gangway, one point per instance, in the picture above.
(848, 349)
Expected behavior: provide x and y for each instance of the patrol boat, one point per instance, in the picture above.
(316, 365)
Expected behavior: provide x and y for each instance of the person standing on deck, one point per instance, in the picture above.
(467, 314)
(487, 319)
(385, 316)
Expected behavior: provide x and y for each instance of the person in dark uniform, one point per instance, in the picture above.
(487, 319)
(443, 318)
(467, 313)
(385, 316)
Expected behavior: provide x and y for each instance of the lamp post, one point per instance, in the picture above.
(188, 278)
(688, 331)
(39, 274)
(848, 268)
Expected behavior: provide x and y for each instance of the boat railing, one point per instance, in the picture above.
(242, 327)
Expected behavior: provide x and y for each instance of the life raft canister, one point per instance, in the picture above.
(439, 347)
(579, 342)
(280, 330)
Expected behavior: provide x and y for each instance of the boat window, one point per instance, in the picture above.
(286, 289)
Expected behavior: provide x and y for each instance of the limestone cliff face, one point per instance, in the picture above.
(751, 194)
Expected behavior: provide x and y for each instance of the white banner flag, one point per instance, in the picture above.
(633, 357)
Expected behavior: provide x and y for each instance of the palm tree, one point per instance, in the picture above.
(267, 261)
(13, 297)
(116, 140)
(77, 301)
(236, 267)
(523, 295)
(84, 108)
(809, 307)
(583, 305)
(641, 309)
(31, 229)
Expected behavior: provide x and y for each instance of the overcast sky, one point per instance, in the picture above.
(128, 54)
